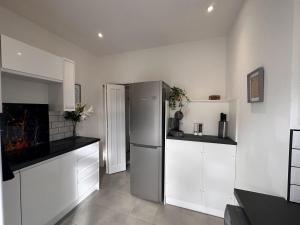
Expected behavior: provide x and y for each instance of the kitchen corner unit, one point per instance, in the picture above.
(200, 173)
(47, 187)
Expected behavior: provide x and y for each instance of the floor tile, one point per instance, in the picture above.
(167, 215)
(114, 205)
(212, 220)
(145, 210)
(188, 217)
(134, 221)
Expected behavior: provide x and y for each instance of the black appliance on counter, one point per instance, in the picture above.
(173, 123)
(24, 127)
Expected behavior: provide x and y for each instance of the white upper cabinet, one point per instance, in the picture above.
(69, 85)
(20, 58)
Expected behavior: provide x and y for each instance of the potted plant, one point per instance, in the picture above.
(177, 97)
(82, 112)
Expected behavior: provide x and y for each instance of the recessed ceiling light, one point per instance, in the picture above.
(210, 8)
(19, 53)
(100, 35)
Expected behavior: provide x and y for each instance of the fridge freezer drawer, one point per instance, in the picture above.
(146, 172)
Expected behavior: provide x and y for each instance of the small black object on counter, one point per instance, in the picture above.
(44, 152)
(173, 129)
(204, 138)
(223, 126)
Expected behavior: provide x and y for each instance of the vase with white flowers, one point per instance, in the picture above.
(82, 112)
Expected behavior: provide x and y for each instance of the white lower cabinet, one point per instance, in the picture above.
(48, 189)
(12, 201)
(184, 178)
(200, 176)
(44, 193)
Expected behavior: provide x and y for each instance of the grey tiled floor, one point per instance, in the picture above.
(114, 205)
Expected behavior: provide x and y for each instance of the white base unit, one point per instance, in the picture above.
(199, 176)
(45, 192)
(12, 201)
(48, 189)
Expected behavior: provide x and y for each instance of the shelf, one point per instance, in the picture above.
(210, 101)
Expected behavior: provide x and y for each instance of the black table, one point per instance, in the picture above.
(264, 209)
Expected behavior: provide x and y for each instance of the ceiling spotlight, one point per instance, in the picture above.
(19, 53)
(210, 8)
(100, 35)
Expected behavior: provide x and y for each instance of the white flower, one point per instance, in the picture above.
(86, 113)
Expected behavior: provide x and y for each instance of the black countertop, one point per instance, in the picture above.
(204, 138)
(44, 152)
(264, 209)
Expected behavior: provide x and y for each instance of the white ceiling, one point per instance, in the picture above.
(128, 24)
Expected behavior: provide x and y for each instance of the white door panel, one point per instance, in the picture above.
(115, 128)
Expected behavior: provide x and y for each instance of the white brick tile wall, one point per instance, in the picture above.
(59, 127)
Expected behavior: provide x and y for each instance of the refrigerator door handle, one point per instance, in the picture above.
(145, 146)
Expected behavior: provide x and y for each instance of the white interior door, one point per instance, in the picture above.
(115, 129)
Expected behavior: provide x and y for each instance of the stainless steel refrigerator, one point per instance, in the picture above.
(147, 131)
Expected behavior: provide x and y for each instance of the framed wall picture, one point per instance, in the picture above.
(255, 85)
(77, 94)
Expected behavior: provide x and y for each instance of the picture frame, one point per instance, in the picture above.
(255, 85)
(77, 94)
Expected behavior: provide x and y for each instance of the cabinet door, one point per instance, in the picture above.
(12, 201)
(219, 176)
(69, 85)
(184, 181)
(30, 61)
(48, 190)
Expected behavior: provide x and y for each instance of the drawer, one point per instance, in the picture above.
(295, 193)
(295, 176)
(88, 171)
(296, 158)
(296, 139)
(87, 161)
(87, 150)
(84, 186)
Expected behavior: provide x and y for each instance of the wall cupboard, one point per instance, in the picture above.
(199, 176)
(18, 57)
(22, 60)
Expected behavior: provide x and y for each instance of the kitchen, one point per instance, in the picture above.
(216, 62)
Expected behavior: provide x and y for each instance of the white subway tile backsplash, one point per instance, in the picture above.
(59, 127)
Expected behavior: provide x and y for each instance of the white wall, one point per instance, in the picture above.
(262, 36)
(207, 113)
(16, 90)
(198, 67)
(21, 29)
(295, 94)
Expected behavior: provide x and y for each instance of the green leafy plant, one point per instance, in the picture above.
(177, 97)
(81, 113)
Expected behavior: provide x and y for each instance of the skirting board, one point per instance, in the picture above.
(195, 207)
